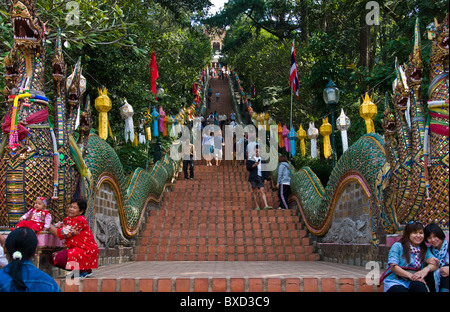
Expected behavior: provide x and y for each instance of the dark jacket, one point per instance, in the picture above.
(254, 171)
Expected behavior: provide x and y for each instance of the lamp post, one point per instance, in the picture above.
(331, 98)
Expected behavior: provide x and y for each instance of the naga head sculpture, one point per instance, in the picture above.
(28, 28)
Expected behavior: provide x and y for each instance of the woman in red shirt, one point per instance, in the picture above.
(82, 250)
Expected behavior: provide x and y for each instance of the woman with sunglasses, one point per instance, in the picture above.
(439, 249)
(406, 272)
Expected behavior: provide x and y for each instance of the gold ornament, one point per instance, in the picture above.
(368, 111)
(103, 105)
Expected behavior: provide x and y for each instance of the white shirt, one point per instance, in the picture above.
(259, 165)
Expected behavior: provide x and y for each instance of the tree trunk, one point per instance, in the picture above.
(304, 23)
(364, 42)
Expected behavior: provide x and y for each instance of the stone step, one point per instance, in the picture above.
(224, 276)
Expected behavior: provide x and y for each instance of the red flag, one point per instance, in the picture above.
(194, 91)
(154, 72)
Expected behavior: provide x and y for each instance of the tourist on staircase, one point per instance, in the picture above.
(207, 147)
(256, 178)
(283, 181)
(188, 159)
(218, 145)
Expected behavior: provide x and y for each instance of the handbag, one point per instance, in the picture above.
(388, 272)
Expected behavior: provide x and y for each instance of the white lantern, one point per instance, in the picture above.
(313, 134)
(343, 124)
(127, 112)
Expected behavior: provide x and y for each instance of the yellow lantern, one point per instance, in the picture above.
(368, 111)
(103, 105)
(325, 130)
(266, 119)
(301, 135)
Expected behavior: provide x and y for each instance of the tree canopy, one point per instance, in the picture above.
(333, 40)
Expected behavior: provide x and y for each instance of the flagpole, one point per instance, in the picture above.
(291, 113)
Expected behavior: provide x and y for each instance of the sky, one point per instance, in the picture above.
(217, 5)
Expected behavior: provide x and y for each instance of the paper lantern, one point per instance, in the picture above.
(368, 111)
(301, 136)
(325, 130)
(343, 124)
(127, 112)
(292, 135)
(103, 105)
(155, 121)
(284, 134)
(313, 134)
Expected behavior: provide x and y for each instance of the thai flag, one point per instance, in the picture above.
(294, 73)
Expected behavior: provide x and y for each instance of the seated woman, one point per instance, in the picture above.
(82, 250)
(406, 272)
(20, 275)
(439, 250)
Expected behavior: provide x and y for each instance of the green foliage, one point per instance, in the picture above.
(332, 40)
(115, 40)
(322, 168)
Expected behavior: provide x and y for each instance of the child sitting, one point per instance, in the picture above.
(37, 218)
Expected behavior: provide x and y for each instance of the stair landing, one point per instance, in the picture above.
(225, 276)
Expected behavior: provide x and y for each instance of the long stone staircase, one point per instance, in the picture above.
(207, 236)
(211, 218)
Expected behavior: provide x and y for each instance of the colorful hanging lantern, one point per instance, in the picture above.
(280, 136)
(169, 125)
(173, 132)
(103, 105)
(266, 119)
(162, 114)
(292, 135)
(148, 125)
(155, 120)
(127, 112)
(326, 130)
(313, 134)
(284, 134)
(301, 135)
(343, 124)
(368, 111)
(166, 123)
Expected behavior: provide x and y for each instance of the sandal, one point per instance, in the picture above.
(268, 207)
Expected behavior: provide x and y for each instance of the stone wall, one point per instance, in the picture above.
(348, 239)
(351, 217)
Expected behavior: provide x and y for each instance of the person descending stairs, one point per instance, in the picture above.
(211, 217)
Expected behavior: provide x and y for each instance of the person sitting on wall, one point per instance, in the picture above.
(82, 250)
(406, 271)
(439, 249)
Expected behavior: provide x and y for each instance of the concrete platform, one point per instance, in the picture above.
(224, 276)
